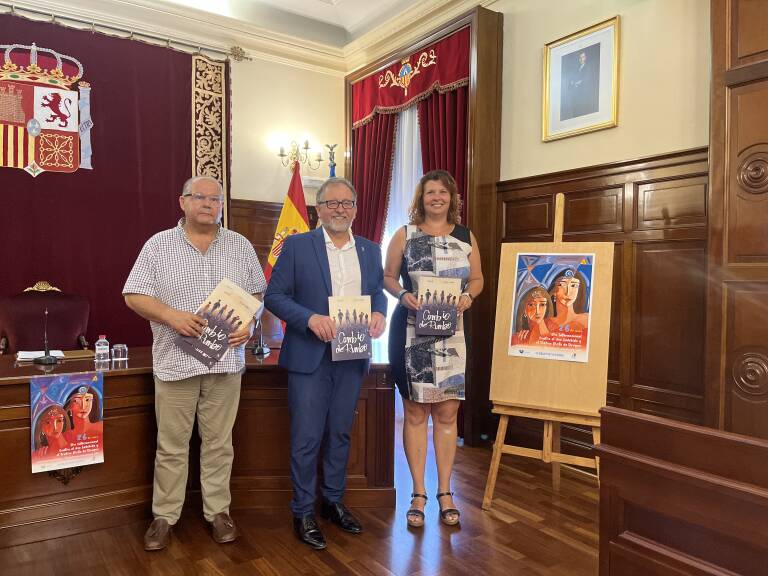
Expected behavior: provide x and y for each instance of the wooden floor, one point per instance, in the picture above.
(530, 531)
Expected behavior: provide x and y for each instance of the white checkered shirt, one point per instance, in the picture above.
(172, 270)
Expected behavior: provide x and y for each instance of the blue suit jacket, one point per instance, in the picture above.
(300, 286)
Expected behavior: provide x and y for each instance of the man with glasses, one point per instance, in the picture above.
(175, 272)
(322, 395)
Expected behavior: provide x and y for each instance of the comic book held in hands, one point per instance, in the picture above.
(352, 315)
(437, 298)
(227, 309)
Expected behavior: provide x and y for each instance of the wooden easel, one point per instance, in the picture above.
(550, 451)
(515, 403)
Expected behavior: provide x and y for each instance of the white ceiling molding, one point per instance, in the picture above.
(405, 28)
(193, 27)
(351, 18)
(196, 27)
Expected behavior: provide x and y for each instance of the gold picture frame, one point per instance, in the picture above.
(581, 82)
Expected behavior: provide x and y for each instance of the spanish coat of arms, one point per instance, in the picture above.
(44, 123)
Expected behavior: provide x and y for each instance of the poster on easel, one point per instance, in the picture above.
(67, 412)
(550, 345)
(551, 306)
(552, 329)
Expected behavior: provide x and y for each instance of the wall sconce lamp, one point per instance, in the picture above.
(300, 155)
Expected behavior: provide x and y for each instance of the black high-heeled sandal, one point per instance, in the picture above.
(445, 513)
(414, 516)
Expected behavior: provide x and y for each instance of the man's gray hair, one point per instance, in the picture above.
(187, 188)
(330, 182)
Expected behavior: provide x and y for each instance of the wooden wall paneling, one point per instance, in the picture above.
(747, 180)
(669, 205)
(256, 221)
(746, 401)
(382, 446)
(749, 42)
(668, 347)
(483, 169)
(736, 348)
(654, 210)
(623, 302)
(680, 499)
(594, 211)
(614, 347)
(526, 218)
(356, 465)
(716, 204)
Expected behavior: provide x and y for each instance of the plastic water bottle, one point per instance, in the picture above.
(102, 349)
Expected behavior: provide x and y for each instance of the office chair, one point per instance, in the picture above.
(22, 318)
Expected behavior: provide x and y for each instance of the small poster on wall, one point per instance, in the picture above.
(67, 412)
(551, 306)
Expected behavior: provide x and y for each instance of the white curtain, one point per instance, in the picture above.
(406, 172)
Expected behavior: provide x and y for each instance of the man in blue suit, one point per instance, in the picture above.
(322, 395)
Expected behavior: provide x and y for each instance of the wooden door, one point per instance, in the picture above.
(737, 300)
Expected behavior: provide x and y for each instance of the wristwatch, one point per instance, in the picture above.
(401, 294)
(467, 294)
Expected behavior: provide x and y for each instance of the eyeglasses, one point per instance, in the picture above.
(333, 204)
(202, 198)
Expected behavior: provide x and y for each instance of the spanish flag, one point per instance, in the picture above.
(293, 219)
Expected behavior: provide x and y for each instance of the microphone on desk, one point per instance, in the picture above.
(46, 358)
(260, 348)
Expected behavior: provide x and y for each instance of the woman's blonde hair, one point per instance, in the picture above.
(416, 211)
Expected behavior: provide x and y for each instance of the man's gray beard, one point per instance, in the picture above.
(334, 226)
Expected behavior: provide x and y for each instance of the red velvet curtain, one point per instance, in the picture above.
(441, 66)
(83, 231)
(372, 155)
(443, 133)
(376, 99)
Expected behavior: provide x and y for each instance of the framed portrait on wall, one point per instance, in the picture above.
(581, 82)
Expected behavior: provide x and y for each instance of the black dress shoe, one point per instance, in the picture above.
(308, 532)
(337, 513)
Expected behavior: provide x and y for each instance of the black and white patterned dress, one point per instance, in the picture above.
(429, 369)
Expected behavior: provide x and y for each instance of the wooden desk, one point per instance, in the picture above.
(38, 507)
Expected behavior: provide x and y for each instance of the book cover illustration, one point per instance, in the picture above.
(66, 420)
(227, 309)
(551, 306)
(437, 298)
(352, 315)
